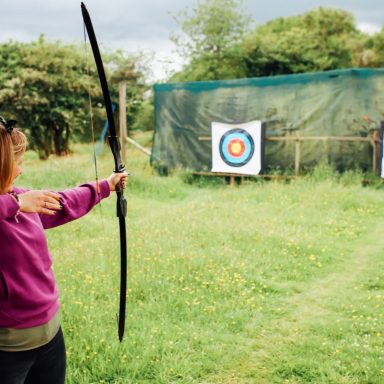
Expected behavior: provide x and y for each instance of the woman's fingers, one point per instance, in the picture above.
(47, 211)
(50, 202)
(51, 196)
(123, 182)
(119, 179)
(46, 202)
(52, 205)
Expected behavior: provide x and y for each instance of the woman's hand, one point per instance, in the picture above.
(46, 202)
(116, 178)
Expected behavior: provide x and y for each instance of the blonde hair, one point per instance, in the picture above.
(12, 147)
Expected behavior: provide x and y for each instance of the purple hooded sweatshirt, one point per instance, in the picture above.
(28, 292)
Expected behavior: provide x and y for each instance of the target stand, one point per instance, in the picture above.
(238, 148)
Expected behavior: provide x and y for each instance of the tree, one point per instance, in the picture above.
(319, 40)
(373, 55)
(212, 32)
(46, 87)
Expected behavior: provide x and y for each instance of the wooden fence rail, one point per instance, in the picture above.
(373, 140)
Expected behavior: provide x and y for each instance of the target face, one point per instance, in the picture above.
(236, 147)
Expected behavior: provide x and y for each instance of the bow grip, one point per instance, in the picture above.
(121, 204)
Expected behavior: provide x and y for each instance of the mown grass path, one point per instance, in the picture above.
(313, 306)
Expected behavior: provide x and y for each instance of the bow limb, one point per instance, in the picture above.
(114, 142)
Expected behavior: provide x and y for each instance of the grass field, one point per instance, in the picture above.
(268, 282)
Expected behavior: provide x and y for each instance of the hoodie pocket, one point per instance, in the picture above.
(3, 287)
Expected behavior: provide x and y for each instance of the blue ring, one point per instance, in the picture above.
(249, 147)
(244, 156)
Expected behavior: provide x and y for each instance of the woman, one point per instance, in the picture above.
(32, 347)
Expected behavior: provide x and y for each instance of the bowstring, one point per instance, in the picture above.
(87, 66)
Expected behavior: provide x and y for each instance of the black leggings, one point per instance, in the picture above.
(43, 365)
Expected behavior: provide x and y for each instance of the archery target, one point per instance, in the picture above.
(237, 148)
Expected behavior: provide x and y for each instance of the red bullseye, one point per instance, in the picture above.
(236, 147)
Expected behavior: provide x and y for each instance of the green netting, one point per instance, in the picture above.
(342, 103)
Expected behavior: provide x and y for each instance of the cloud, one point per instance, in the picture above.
(370, 28)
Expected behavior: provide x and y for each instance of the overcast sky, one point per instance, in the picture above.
(145, 25)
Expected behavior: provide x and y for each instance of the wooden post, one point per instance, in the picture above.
(297, 154)
(375, 142)
(123, 119)
(232, 181)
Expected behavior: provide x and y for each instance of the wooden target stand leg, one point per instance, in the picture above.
(231, 179)
(235, 179)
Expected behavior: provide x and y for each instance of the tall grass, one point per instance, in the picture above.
(262, 283)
